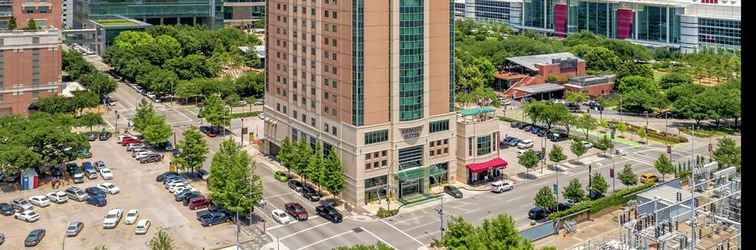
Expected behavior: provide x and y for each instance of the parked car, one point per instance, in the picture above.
(110, 188)
(329, 213)
(74, 228)
(282, 217)
(99, 165)
(151, 158)
(106, 174)
(34, 237)
(514, 142)
(296, 185)
(96, 191)
(54, 171)
(647, 178)
(76, 194)
(58, 197)
(537, 214)
(7, 209)
(131, 216)
(593, 195)
(207, 218)
(89, 170)
(209, 131)
(78, 176)
(142, 226)
(133, 146)
(27, 215)
(501, 186)
(162, 176)
(525, 144)
(557, 136)
(105, 135)
(129, 140)
(310, 193)
(97, 201)
(453, 191)
(296, 210)
(185, 200)
(92, 136)
(21, 204)
(198, 203)
(180, 196)
(112, 218)
(84, 154)
(71, 168)
(39, 200)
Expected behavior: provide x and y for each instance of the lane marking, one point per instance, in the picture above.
(321, 241)
(405, 234)
(304, 230)
(379, 238)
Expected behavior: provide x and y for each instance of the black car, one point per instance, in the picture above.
(557, 136)
(207, 218)
(92, 136)
(96, 191)
(56, 172)
(151, 158)
(329, 213)
(98, 201)
(209, 131)
(71, 168)
(516, 124)
(527, 128)
(310, 193)
(541, 132)
(453, 191)
(34, 238)
(162, 176)
(593, 195)
(7, 209)
(183, 195)
(296, 185)
(537, 213)
(185, 200)
(105, 135)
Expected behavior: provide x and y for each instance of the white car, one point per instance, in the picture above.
(106, 174)
(587, 145)
(178, 187)
(39, 200)
(501, 186)
(142, 226)
(112, 218)
(28, 216)
(173, 184)
(109, 187)
(181, 189)
(282, 217)
(131, 216)
(524, 144)
(58, 197)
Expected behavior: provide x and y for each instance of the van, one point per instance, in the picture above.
(76, 194)
(198, 203)
(501, 186)
(647, 178)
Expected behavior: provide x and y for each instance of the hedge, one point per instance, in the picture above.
(651, 133)
(507, 119)
(619, 197)
(385, 213)
(244, 114)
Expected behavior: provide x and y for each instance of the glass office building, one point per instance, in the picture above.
(155, 12)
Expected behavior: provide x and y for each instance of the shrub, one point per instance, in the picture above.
(617, 198)
(281, 176)
(244, 114)
(385, 213)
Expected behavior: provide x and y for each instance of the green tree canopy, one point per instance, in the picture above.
(161, 241)
(587, 122)
(545, 112)
(231, 181)
(675, 79)
(574, 191)
(193, 150)
(545, 198)
(529, 159)
(157, 131)
(99, 83)
(497, 233)
(664, 165)
(556, 155)
(216, 112)
(599, 184)
(578, 148)
(728, 153)
(251, 84)
(627, 176)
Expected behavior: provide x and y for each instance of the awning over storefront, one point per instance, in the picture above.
(411, 174)
(484, 166)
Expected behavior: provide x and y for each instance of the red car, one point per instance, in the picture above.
(198, 203)
(296, 211)
(128, 140)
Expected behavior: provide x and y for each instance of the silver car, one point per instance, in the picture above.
(74, 228)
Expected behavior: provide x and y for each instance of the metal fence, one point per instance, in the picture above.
(540, 231)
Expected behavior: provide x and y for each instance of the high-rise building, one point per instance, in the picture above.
(30, 61)
(687, 25)
(243, 13)
(372, 80)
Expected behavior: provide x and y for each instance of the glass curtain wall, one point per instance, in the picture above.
(358, 67)
(411, 58)
(659, 24)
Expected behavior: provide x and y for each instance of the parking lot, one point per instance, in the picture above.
(139, 190)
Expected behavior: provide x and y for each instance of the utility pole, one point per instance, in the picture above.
(441, 214)
(237, 230)
(116, 121)
(242, 132)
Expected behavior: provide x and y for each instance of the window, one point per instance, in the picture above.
(376, 136)
(333, 130)
(367, 156)
(469, 146)
(438, 126)
(484, 145)
(384, 163)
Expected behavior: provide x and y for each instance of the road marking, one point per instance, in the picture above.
(405, 234)
(422, 225)
(304, 230)
(320, 241)
(279, 195)
(379, 238)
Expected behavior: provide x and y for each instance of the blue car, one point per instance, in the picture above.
(96, 191)
(98, 201)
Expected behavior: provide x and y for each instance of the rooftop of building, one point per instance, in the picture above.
(714, 11)
(118, 22)
(541, 88)
(666, 193)
(591, 80)
(530, 62)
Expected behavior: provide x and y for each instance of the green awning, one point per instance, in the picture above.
(436, 170)
(411, 174)
(476, 111)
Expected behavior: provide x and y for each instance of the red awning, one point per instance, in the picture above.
(484, 166)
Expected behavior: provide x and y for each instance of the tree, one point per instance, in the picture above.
(529, 159)
(604, 143)
(84, 99)
(90, 120)
(12, 25)
(675, 79)
(144, 114)
(548, 113)
(251, 84)
(574, 191)
(576, 97)
(642, 134)
(556, 155)
(497, 233)
(231, 181)
(578, 148)
(314, 163)
(627, 176)
(336, 180)
(16, 158)
(728, 153)
(99, 83)
(192, 66)
(216, 112)
(157, 131)
(161, 82)
(664, 165)
(598, 58)
(161, 241)
(630, 68)
(599, 184)
(286, 154)
(377, 246)
(628, 83)
(193, 150)
(545, 198)
(31, 25)
(55, 104)
(302, 152)
(621, 127)
(586, 122)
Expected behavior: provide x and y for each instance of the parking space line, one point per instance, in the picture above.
(279, 195)
(379, 238)
(304, 230)
(322, 240)
(405, 234)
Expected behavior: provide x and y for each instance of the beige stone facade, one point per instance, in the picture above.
(473, 147)
(312, 92)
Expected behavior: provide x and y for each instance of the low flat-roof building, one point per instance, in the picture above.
(593, 86)
(108, 28)
(560, 66)
(478, 159)
(543, 91)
